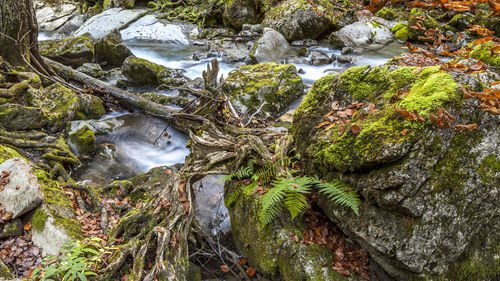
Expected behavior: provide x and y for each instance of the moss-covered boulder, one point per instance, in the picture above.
(17, 117)
(239, 12)
(430, 209)
(386, 13)
(54, 223)
(110, 50)
(143, 72)
(91, 69)
(91, 106)
(422, 18)
(57, 102)
(299, 19)
(271, 249)
(484, 53)
(72, 51)
(82, 141)
(400, 31)
(276, 85)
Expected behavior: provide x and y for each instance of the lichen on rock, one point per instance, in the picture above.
(278, 85)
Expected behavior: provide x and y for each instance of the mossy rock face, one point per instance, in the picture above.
(57, 102)
(143, 72)
(278, 85)
(484, 54)
(82, 142)
(91, 106)
(418, 15)
(400, 31)
(72, 51)
(17, 117)
(386, 13)
(271, 249)
(54, 223)
(7, 153)
(239, 12)
(298, 19)
(428, 193)
(91, 69)
(110, 49)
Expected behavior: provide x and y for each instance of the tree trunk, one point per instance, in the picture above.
(19, 33)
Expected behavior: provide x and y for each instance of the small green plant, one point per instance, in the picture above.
(287, 190)
(78, 261)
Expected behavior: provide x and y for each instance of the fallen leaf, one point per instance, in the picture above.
(251, 271)
(469, 127)
(341, 130)
(355, 129)
(224, 268)
(27, 226)
(404, 132)
(242, 260)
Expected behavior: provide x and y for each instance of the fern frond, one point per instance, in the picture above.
(271, 205)
(267, 173)
(233, 196)
(336, 191)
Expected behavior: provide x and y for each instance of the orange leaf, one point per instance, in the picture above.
(243, 260)
(341, 130)
(224, 268)
(404, 132)
(27, 226)
(251, 271)
(470, 127)
(482, 40)
(355, 129)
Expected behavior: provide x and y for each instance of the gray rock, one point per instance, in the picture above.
(239, 12)
(71, 25)
(98, 127)
(72, 51)
(50, 18)
(23, 193)
(116, 18)
(364, 33)
(272, 46)
(320, 58)
(150, 28)
(11, 228)
(50, 236)
(110, 49)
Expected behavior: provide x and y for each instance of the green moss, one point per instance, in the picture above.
(302, 52)
(402, 34)
(386, 13)
(83, 141)
(431, 90)
(489, 170)
(483, 53)
(418, 15)
(38, 220)
(7, 153)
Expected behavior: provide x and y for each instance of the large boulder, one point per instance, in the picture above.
(72, 51)
(249, 86)
(102, 24)
(58, 103)
(143, 72)
(150, 28)
(22, 193)
(431, 194)
(271, 46)
(271, 249)
(110, 49)
(239, 12)
(298, 19)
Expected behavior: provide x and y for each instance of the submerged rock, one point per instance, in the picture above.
(431, 195)
(72, 51)
(271, 46)
(143, 72)
(249, 86)
(22, 193)
(110, 49)
(298, 19)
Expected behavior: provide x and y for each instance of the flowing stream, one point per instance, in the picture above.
(140, 142)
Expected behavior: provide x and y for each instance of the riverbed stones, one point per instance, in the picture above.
(115, 18)
(143, 72)
(430, 195)
(274, 85)
(298, 19)
(22, 193)
(72, 51)
(271, 46)
(110, 50)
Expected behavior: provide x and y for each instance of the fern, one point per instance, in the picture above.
(267, 173)
(241, 173)
(336, 191)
